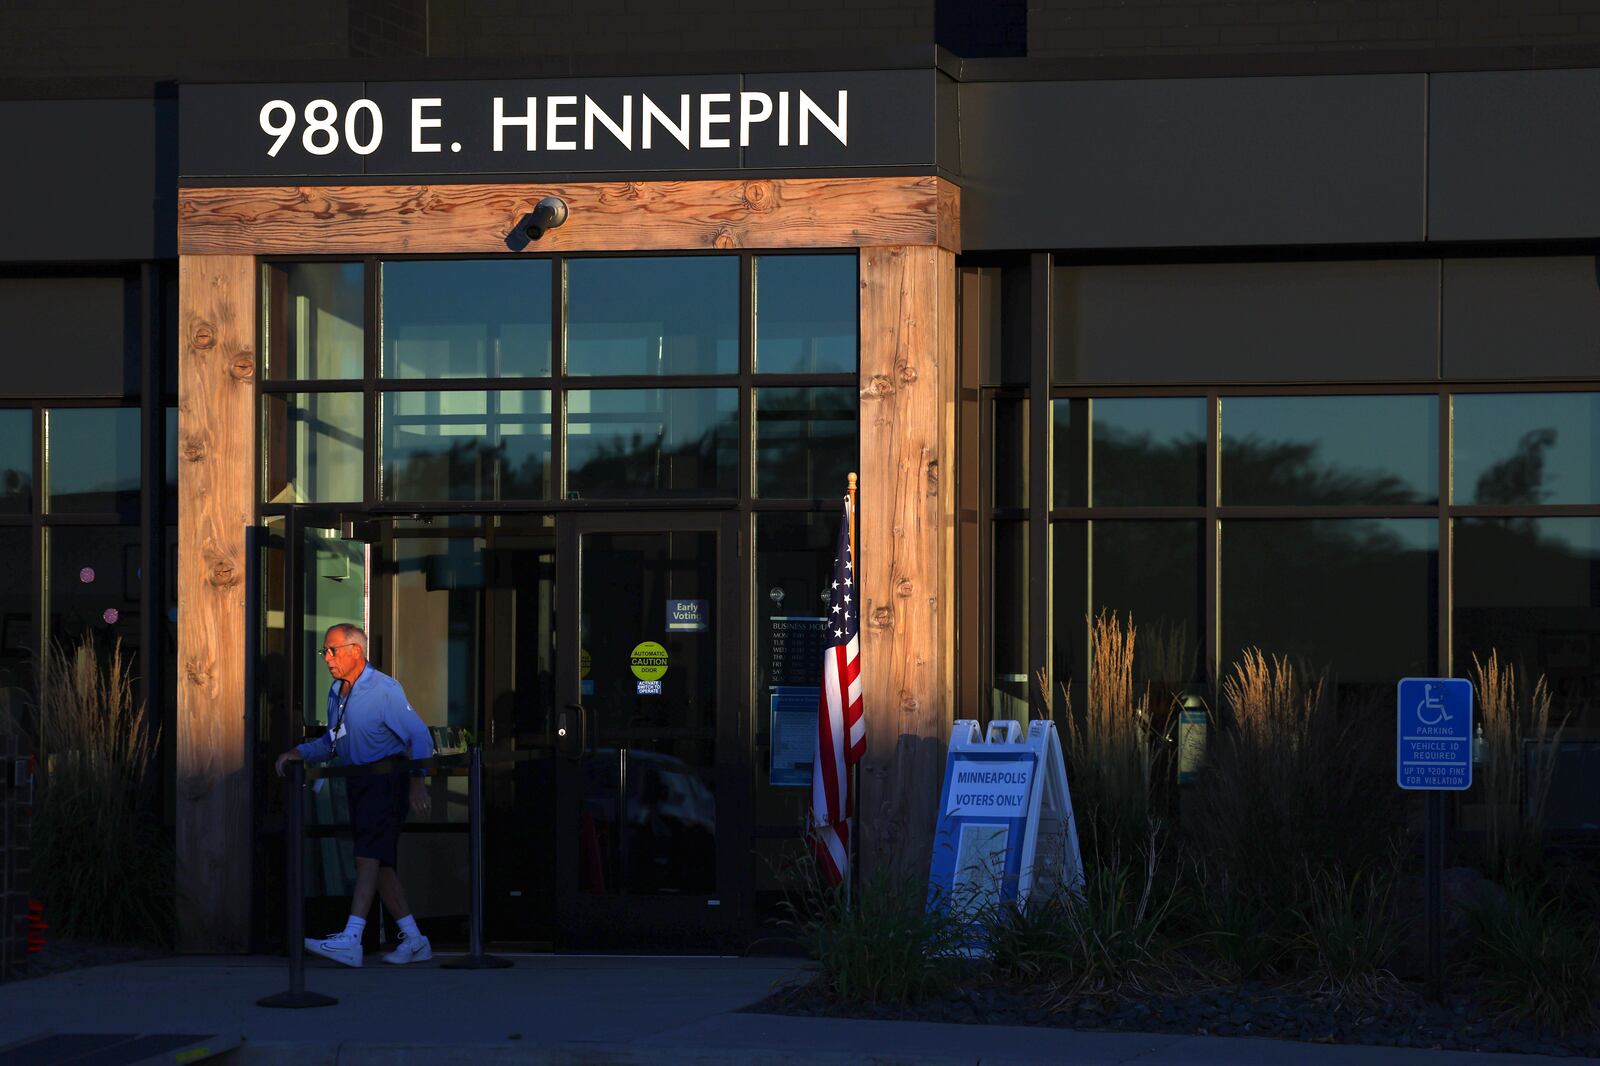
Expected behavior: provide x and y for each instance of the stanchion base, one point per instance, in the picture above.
(476, 962)
(297, 999)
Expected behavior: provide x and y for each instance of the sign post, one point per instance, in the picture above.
(1433, 754)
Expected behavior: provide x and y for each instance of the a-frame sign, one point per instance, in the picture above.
(1006, 831)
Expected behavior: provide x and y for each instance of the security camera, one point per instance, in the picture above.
(546, 215)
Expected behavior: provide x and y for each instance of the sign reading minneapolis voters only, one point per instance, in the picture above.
(560, 126)
(1433, 734)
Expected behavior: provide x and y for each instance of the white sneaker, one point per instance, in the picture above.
(410, 949)
(338, 947)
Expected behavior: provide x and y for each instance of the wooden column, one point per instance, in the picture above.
(907, 559)
(216, 455)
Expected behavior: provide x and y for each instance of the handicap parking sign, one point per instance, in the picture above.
(1433, 734)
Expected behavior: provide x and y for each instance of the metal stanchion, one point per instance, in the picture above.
(475, 959)
(294, 834)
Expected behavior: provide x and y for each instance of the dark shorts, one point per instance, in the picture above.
(378, 805)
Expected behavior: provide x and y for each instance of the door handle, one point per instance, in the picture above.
(574, 722)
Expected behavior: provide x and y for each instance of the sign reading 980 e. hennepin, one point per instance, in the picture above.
(572, 126)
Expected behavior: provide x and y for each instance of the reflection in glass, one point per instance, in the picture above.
(17, 635)
(1354, 597)
(1521, 449)
(1149, 572)
(805, 442)
(170, 462)
(658, 315)
(466, 445)
(91, 460)
(1009, 474)
(314, 320)
(93, 585)
(313, 447)
(466, 318)
(1008, 612)
(333, 592)
(652, 442)
(649, 800)
(793, 561)
(1330, 449)
(1143, 451)
(1530, 589)
(806, 314)
(16, 461)
(438, 591)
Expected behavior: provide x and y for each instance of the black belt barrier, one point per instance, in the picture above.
(294, 836)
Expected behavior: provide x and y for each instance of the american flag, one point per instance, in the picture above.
(841, 730)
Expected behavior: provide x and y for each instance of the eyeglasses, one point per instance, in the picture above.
(331, 648)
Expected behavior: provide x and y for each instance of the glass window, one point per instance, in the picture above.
(995, 326)
(93, 584)
(805, 442)
(466, 445)
(333, 591)
(658, 315)
(170, 462)
(314, 446)
(806, 314)
(1530, 589)
(91, 457)
(652, 442)
(18, 639)
(438, 592)
(1009, 475)
(1142, 452)
(16, 461)
(1330, 449)
(1008, 607)
(1355, 597)
(466, 318)
(794, 558)
(1526, 448)
(314, 317)
(1146, 572)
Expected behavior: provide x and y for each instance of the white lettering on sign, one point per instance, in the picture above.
(989, 787)
(526, 120)
(320, 122)
(419, 123)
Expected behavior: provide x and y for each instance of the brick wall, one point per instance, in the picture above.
(1082, 28)
(16, 815)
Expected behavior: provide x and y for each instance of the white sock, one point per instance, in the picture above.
(353, 927)
(408, 926)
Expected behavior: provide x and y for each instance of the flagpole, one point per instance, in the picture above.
(855, 771)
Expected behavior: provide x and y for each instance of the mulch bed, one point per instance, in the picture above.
(1245, 1009)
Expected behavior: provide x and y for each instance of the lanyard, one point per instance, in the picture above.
(333, 728)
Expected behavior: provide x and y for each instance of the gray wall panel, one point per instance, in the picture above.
(1513, 155)
(1375, 320)
(82, 178)
(1225, 161)
(1521, 318)
(67, 337)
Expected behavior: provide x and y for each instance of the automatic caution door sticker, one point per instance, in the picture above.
(649, 661)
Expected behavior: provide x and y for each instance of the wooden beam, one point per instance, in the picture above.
(908, 381)
(605, 216)
(216, 486)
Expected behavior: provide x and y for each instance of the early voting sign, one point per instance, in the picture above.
(1433, 734)
(1005, 827)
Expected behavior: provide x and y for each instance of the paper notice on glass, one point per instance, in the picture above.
(794, 734)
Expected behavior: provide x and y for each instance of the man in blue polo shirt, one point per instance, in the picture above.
(370, 719)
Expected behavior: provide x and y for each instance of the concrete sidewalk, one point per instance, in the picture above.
(570, 1009)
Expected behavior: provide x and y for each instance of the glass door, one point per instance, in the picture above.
(647, 731)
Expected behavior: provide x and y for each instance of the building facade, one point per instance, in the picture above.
(1268, 333)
